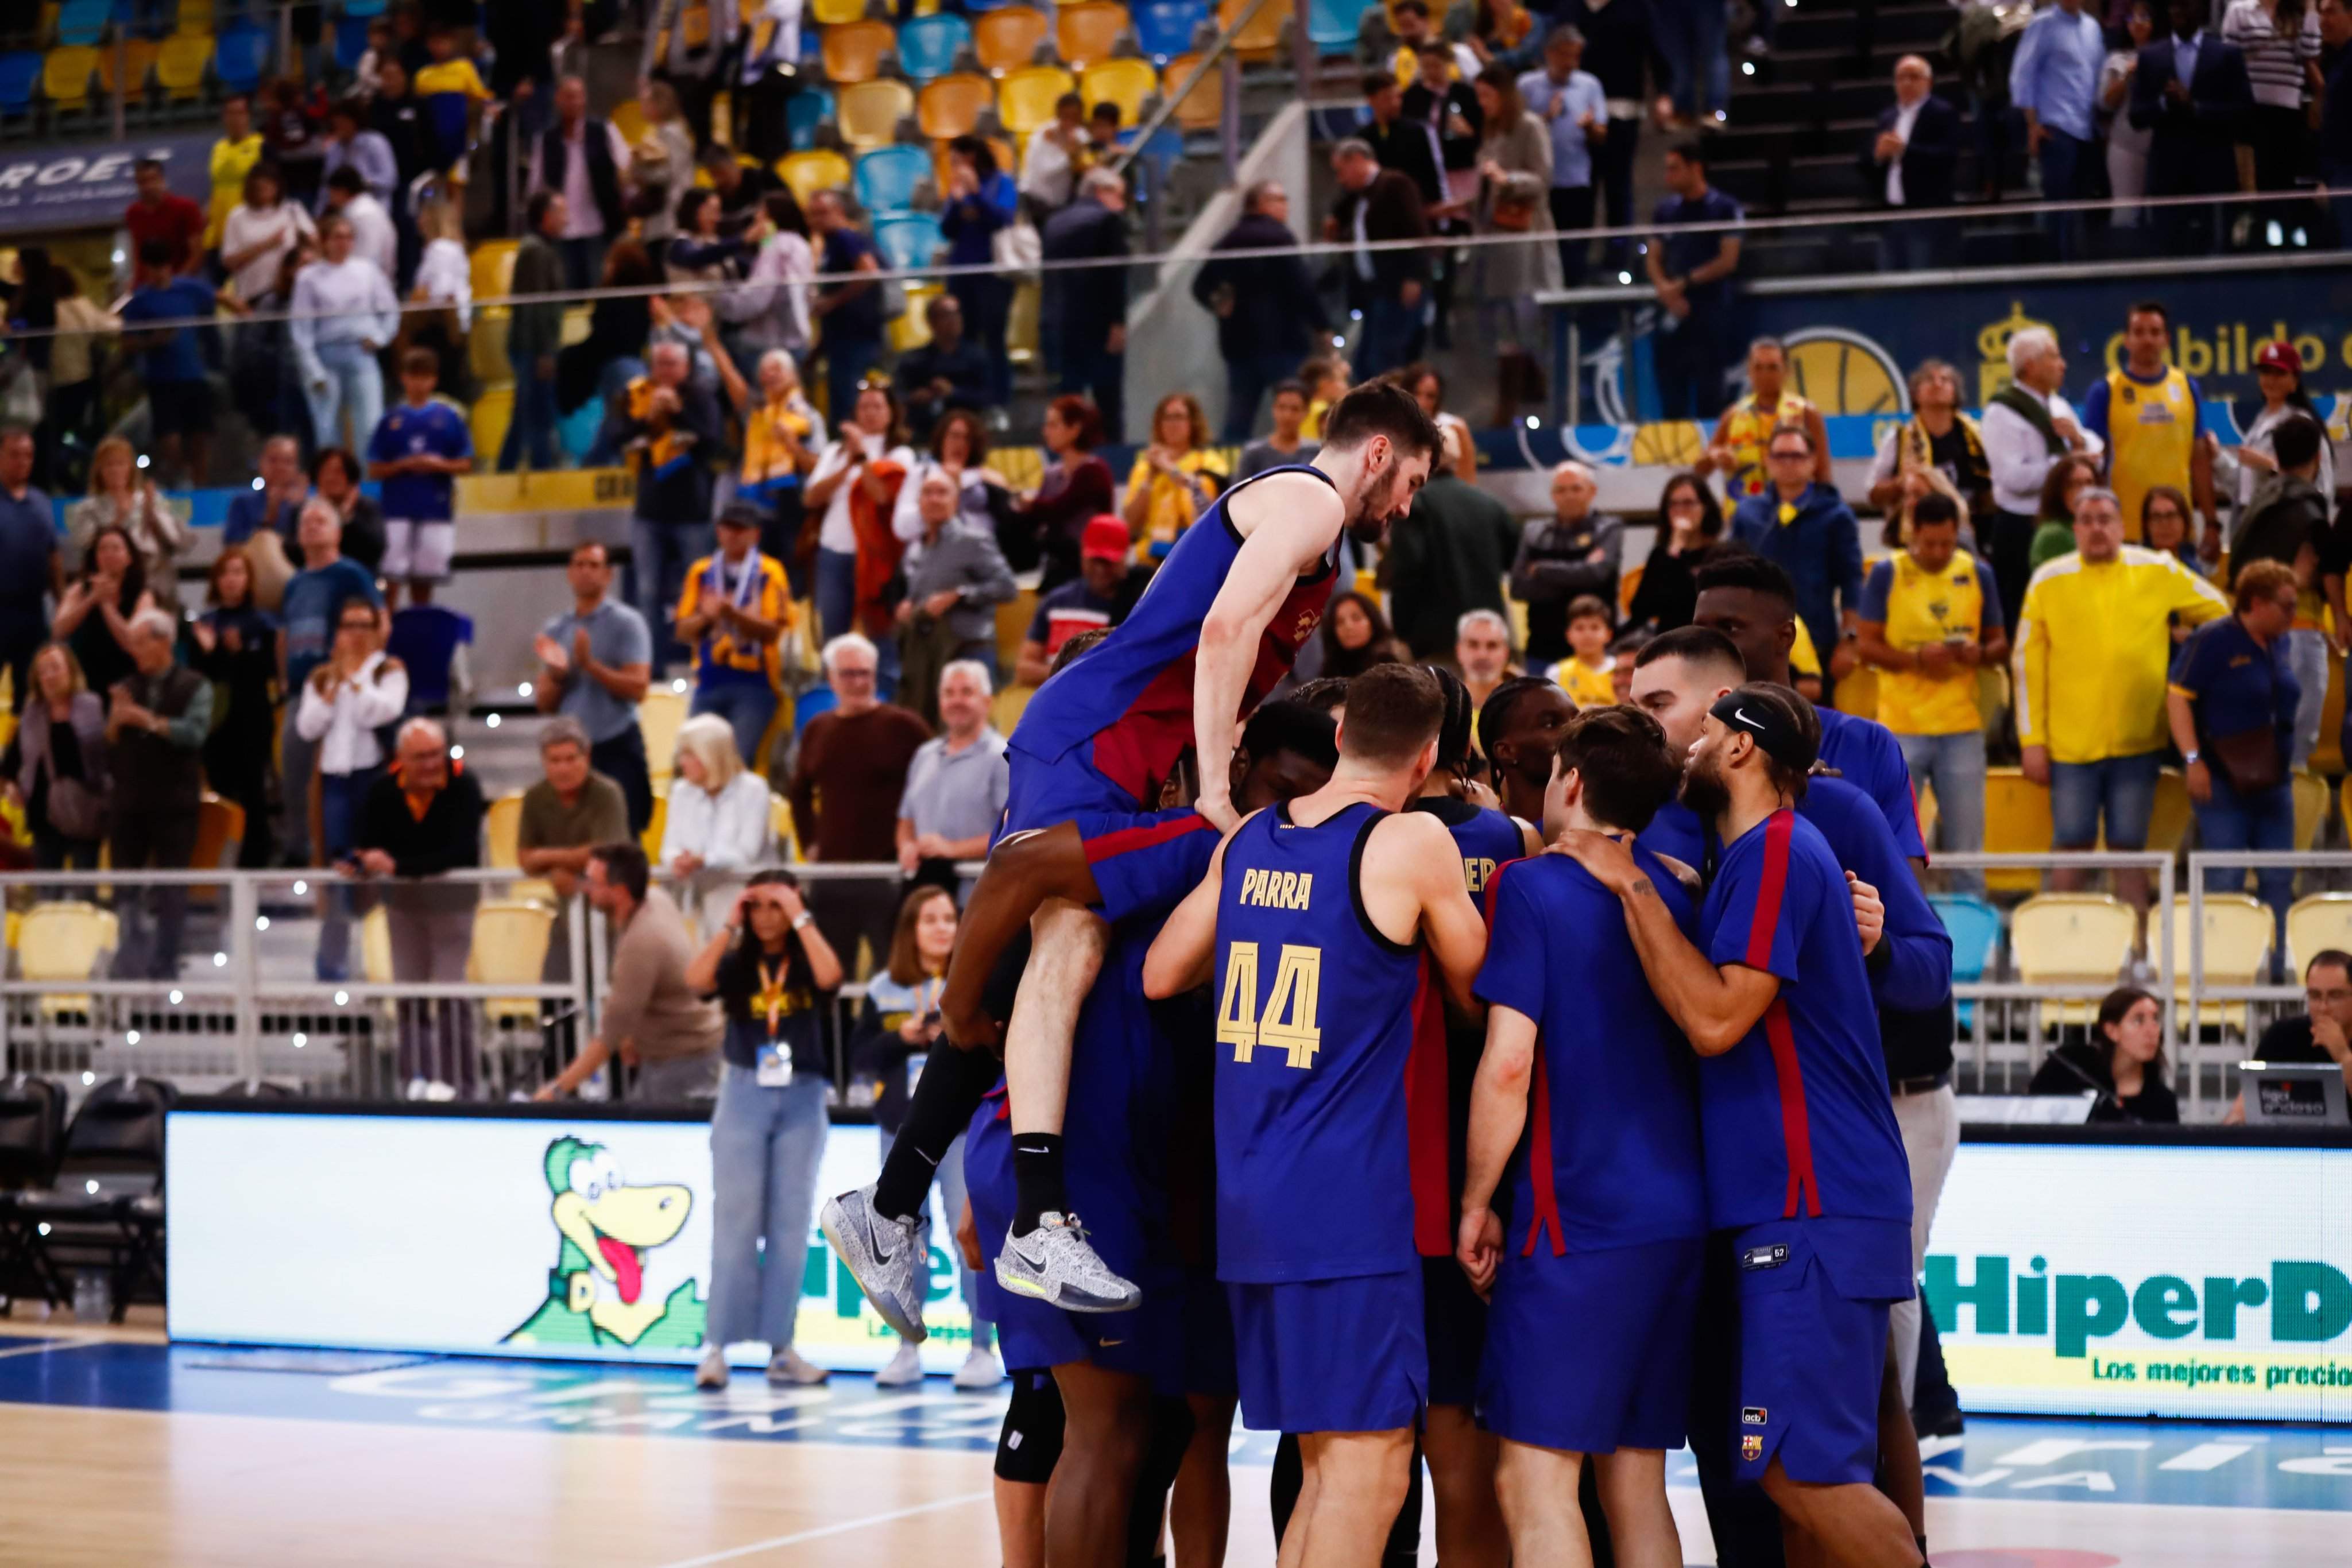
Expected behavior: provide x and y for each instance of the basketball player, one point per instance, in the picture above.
(1807, 1192)
(1517, 727)
(1609, 1212)
(1330, 896)
(1220, 624)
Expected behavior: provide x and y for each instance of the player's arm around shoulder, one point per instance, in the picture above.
(1183, 954)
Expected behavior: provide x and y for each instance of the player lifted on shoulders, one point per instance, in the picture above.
(1220, 624)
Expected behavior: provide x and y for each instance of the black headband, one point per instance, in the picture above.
(1769, 726)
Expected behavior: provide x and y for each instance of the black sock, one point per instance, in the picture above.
(952, 1085)
(1037, 1176)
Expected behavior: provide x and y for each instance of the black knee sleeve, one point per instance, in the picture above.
(1030, 1444)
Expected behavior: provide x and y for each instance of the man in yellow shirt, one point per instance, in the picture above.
(1745, 430)
(2092, 646)
(2146, 411)
(734, 612)
(234, 156)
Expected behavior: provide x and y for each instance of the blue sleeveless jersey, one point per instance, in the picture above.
(1314, 1028)
(1129, 703)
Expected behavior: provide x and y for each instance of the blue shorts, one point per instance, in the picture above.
(1813, 1299)
(1144, 862)
(1453, 1326)
(1331, 1355)
(1590, 1352)
(2119, 789)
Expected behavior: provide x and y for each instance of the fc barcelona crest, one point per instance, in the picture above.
(1751, 1446)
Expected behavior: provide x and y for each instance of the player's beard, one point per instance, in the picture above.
(1367, 520)
(1704, 790)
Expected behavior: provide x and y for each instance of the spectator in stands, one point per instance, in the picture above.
(1375, 206)
(1085, 307)
(156, 720)
(375, 237)
(956, 785)
(2335, 139)
(850, 309)
(583, 160)
(980, 202)
(237, 649)
(2286, 524)
(1518, 162)
(735, 612)
(171, 367)
(344, 314)
(161, 216)
(55, 770)
(620, 329)
(1427, 385)
(2232, 707)
(350, 144)
(854, 489)
(2069, 477)
(1691, 524)
(767, 965)
(1401, 146)
(341, 711)
(394, 114)
(1284, 445)
(594, 663)
(1930, 622)
(523, 40)
(2028, 426)
(1910, 163)
(423, 818)
(771, 310)
(2165, 525)
(1447, 110)
(959, 450)
(76, 355)
(572, 809)
(743, 189)
(686, 49)
(2319, 1034)
(1076, 489)
(2192, 94)
(2094, 737)
(718, 826)
(1572, 553)
(2121, 1063)
(2149, 415)
(122, 496)
(667, 428)
(1938, 439)
(661, 173)
(951, 371)
(694, 250)
(1269, 313)
(1691, 275)
(257, 234)
(1056, 155)
(2278, 370)
(2054, 83)
(273, 508)
(1354, 637)
(2128, 143)
(30, 568)
(290, 135)
(416, 452)
(846, 784)
(1621, 50)
(448, 89)
(1744, 432)
(96, 616)
(782, 433)
(335, 478)
(956, 576)
(312, 617)
(655, 1020)
(1482, 653)
(1174, 478)
(1448, 556)
(234, 157)
(535, 333)
(1097, 599)
(1806, 526)
(1572, 107)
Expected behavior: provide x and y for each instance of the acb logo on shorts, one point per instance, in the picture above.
(1751, 1446)
(1753, 1416)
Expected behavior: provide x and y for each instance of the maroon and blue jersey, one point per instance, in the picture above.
(1314, 1030)
(1867, 755)
(1612, 1154)
(1797, 1117)
(1125, 708)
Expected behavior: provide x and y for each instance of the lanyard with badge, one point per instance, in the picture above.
(773, 1001)
(738, 593)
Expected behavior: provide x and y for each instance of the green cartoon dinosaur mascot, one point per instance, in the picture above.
(595, 1291)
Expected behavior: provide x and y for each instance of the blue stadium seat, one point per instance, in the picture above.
(907, 240)
(1163, 28)
(18, 74)
(364, 8)
(241, 56)
(1975, 929)
(887, 177)
(928, 46)
(81, 21)
(351, 42)
(1332, 25)
(805, 112)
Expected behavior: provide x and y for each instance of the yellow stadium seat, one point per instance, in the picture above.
(1125, 83)
(492, 265)
(1262, 37)
(1006, 39)
(913, 329)
(375, 946)
(837, 12)
(1204, 106)
(652, 837)
(2328, 756)
(660, 718)
(867, 112)
(2080, 939)
(65, 74)
(628, 118)
(1087, 32)
(853, 51)
(2016, 822)
(180, 63)
(194, 17)
(2310, 807)
(2238, 932)
(952, 105)
(65, 940)
(509, 947)
(1020, 328)
(818, 169)
(493, 411)
(780, 823)
(501, 829)
(1026, 98)
(136, 61)
(2168, 825)
(2316, 925)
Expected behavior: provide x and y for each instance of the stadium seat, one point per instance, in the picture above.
(652, 837)
(32, 1131)
(219, 823)
(365, 8)
(18, 73)
(1006, 39)
(658, 717)
(1089, 31)
(492, 411)
(908, 240)
(1164, 29)
(135, 59)
(375, 946)
(805, 112)
(1262, 37)
(887, 179)
(181, 62)
(493, 267)
(628, 118)
(853, 53)
(780, 823)
(509, 947)
(63, 939)
(2310, 807)
(66, 75)
(952, 105)
(912, 329)
(501, 829)
(81, 22)
(928, 46)
(2077, 939)
(2315, 925)
(196, 15)
(1125, 83)
(2238, 933)
(1203, 108)
(837, 12)
(1026, 98)
(1974, 927)
(867, 113)
(2016, 822)
(818, 169)
(242, 56)
(351, 41)
(2168, 825)
(1333, 25)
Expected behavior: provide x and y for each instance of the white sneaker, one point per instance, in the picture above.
(789, 1367)
(981, 1370)
(712, 1371)
(905, 1369)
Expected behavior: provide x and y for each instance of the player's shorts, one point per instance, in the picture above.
(1455, 1328)
(1144, 862)
(1590, 1352)
(1029, 1444)
(418, 552)
(1813, 1299)
(1331, 1355)
(1208, 1337)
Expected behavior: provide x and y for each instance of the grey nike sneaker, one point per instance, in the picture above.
(1053, 1264)
(889, 1258)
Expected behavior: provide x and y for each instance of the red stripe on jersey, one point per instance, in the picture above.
(1427, 1134)
(1540, 1180)
(1766, 922)
(1796, 1130)
(1125, 840)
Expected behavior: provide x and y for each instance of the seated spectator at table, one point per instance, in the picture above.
(1099, 598)
(156, 720)
(1354, 637)
(1564, 558)
(847, 781)
(1048, 522)
(122, 496)
(1806, 527)
(655, 1020)
(1909, 162)
(1482, 653)
(415, 453)
(311, 615)
(1447, 555)
(335, 479)
(1174, 479)
(171, 366)
(570, 811)
(718, 827)
(736, 612)
(1938, 438)
(1286, 446)
(237, 649)
(2061, 491)
(956, 785)
(1743, 434)
(956, 576)
(1692, 524)
(2123, 1063)
(423, 817)
(594, 663)
(55, 768)
(2321, 1033)
(2287, 522)
(950, 371)
(94, 616)
(340, 714)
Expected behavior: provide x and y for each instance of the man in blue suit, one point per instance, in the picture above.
(2193, 91)
(1908, 165)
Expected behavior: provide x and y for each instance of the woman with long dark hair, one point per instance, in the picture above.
(2123, 1062)
(55, 767)
(94, 614)
(1356, 636)
(1048, 522)
(237, 649)
(2280, 371)
(1689, 521)
(2067, 479)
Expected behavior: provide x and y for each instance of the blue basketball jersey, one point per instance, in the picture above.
(1314, 1028)
(1868, 756)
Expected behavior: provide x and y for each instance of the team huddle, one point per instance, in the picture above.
(1424, 1127)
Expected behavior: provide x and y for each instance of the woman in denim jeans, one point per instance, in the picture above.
(767, 967)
